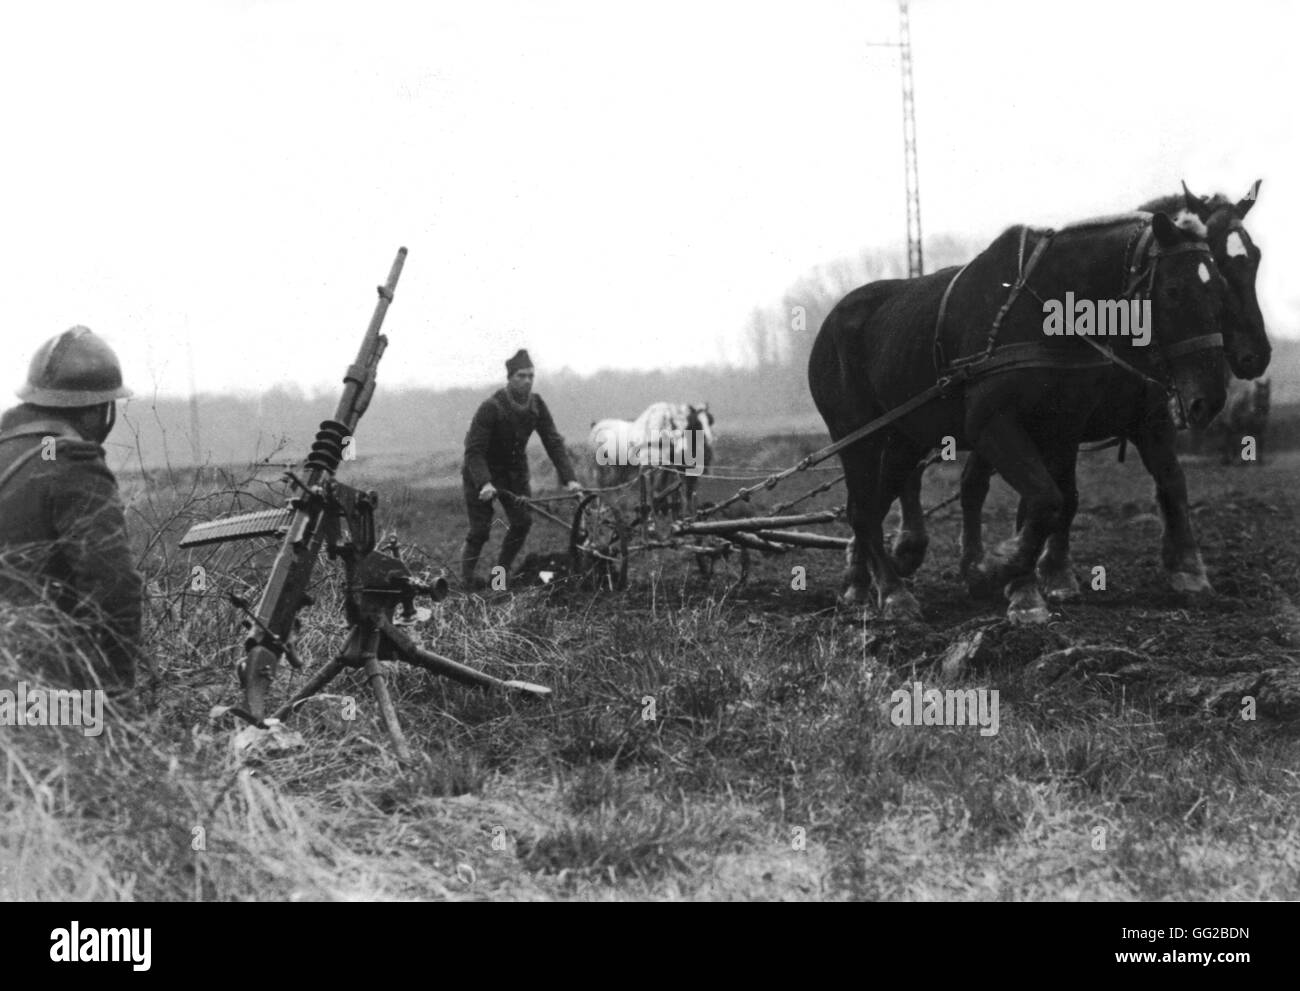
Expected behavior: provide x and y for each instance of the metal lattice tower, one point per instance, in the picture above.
(196, 437)
(915, 261)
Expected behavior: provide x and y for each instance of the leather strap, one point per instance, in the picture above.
(41, 428)
(23, 458)
(1026, 354)
(1202, 343)
(1022, 279)
(939, 359)
(37, 428)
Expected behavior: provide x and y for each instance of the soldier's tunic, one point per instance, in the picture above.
(62, 527)
(496, 451)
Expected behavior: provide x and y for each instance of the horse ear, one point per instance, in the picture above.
(1166, 232)
(1196, 204)
(1246, 202)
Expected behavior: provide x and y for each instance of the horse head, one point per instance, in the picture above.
(1218, 221)
(1189, 296)
(700, 418)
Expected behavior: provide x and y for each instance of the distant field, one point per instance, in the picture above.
(741, 447)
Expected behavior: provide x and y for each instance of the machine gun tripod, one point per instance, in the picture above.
(379, 598)
(326, 514)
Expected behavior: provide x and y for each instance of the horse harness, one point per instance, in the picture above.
(1141, 260)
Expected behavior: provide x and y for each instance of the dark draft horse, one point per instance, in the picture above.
(1143, 422)
(1021, 399)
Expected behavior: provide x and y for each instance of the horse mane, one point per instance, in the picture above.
(1176, 207)
(1108, 220)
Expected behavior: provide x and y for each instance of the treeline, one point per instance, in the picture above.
(422, 423)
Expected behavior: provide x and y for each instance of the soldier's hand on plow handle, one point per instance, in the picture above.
(488, 492)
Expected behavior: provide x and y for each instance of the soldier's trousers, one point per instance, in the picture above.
(480, 527)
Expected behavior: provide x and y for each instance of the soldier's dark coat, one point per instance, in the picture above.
(497, 442)
(62, 526)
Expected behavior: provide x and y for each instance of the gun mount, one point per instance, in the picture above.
(380, 590)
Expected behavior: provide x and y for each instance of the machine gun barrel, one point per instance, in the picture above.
(314, 513)
(359, 382)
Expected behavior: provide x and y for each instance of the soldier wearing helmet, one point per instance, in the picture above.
(62, 528)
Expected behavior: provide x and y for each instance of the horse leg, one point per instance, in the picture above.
(975, 475)
(908, 550)
(873, 477)
(1010, 449)
(898, 470)
(858, 461)
(1055, 568)
(1007, 547)
(1178, 550)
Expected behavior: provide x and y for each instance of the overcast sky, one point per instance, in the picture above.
(607, 184)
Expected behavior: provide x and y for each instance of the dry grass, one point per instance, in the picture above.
(770, 769)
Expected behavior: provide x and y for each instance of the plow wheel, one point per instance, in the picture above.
(598, 545)
(723, 562)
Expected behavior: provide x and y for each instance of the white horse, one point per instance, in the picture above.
(672, 436)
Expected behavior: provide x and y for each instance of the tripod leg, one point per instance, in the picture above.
(387, 711)
(318, 681)
(445, 666)
(386, 708)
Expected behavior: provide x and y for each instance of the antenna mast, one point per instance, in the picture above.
(196, 439)
(915, 262)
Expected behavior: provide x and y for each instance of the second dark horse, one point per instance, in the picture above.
(1246, 347)
(1024, 406)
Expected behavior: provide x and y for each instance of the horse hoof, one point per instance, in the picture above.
(857, 595)
(1190, 583)
(1027, 607)
(1061, 586)
(1035, 616)
(902, 605)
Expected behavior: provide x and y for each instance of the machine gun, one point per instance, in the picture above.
(325, 514)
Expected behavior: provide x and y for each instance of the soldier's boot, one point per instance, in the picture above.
(511, 546)
(469, 555)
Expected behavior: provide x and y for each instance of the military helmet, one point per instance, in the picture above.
(74, 369)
